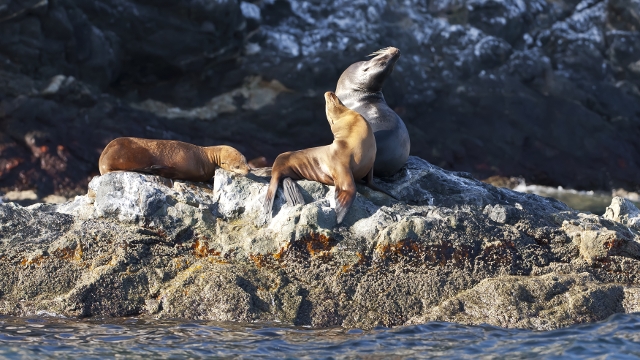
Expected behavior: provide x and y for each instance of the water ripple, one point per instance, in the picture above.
(616, 338)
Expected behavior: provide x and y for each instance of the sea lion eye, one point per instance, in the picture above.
(365, 69)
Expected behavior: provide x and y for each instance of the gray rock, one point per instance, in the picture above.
(623, 211)
(452, 249)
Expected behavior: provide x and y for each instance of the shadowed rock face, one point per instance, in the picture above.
(547, 90)
(453, 249)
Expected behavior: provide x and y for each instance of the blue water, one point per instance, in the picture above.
(616, 338)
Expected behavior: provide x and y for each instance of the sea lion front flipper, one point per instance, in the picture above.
(369, 183)
(345, 192)
(292, 192)
(161, 170)
(267, 205)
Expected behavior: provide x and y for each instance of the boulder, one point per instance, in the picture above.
(451, 248)
(623, 211)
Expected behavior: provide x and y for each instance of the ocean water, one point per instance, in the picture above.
(594, 202)
(45, 337)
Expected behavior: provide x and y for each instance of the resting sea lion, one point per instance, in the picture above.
(350, 157)
(171, 159)
(257, 163)
(360, 89)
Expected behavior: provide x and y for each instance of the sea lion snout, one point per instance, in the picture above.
(242, 167)
(392, 52)
(334, 107)
(331, 99)
(238, 166)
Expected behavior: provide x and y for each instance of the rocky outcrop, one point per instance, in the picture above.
(547, 90)
(452, 248)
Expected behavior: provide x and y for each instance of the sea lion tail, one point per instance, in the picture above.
(271, 195)
(292, 192)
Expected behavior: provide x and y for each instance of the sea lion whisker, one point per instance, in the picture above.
(379, 52)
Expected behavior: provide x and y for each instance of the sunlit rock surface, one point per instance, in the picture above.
(452, 249)
(546, 90)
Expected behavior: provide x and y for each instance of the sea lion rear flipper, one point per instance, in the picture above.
(345, 193)
(369, 183)
(292, 192)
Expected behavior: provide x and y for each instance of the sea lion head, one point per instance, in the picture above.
(369, 76)
(343, 120)
(334, 108)
(232, 160)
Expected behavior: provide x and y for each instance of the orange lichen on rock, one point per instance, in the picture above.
(434, 255)
(614, 243)
(259, 259)
(181, 263)
(201, 249)
(69, 254)
(38, 260)
(315, 245)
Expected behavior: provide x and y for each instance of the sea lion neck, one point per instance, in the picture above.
(340, 132)
(213, 154)
(348, 126)
(352, 97)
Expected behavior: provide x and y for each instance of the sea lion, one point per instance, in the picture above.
(171, 159)
(360, 89)
(350, 157)
(257, 163)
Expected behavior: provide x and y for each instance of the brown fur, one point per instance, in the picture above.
(349, 158)
(258, 162)
(170, 158)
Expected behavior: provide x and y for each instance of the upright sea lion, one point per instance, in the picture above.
(360, 89)
(350, 157)
(171, 159)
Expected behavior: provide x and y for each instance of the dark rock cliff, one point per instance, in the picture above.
(547, 90)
